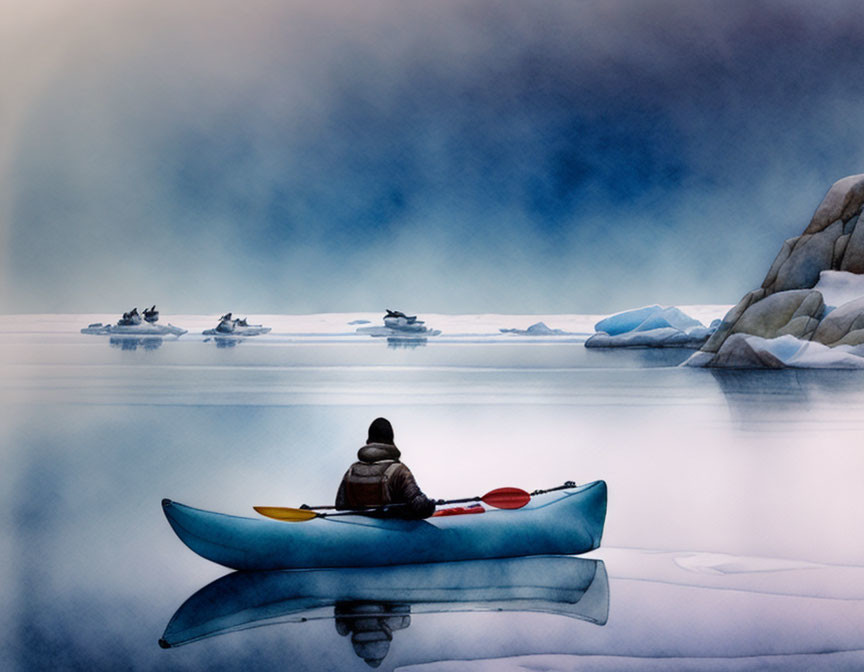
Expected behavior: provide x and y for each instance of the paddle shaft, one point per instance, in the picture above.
(567, 485)
(500, 498)
(438, 502)
(441, 502)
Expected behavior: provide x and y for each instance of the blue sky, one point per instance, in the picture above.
(476, 156)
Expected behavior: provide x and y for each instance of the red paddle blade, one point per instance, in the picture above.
(506, 498)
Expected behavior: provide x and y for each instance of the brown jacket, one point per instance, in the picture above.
(378, 478)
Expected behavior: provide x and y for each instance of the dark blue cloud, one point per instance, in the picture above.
(545, 144)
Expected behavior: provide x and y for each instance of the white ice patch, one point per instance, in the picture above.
(839, 287)
(722, 563)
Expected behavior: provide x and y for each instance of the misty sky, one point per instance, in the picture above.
(473, 156)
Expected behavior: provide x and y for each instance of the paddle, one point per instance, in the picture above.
(501, 498)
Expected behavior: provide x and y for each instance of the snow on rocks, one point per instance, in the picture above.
(650, 326)
(839, 287)
(744, 351)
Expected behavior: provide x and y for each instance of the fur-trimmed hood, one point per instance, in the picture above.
(375, 452)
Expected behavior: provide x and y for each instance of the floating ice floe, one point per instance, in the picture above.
(132, 324)
(650, 326)
(231, 326)
(133, 329)
(537, 329)
(400, 326)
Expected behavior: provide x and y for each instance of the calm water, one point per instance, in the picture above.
(733, 539)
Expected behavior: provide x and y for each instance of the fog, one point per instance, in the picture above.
(446, 157)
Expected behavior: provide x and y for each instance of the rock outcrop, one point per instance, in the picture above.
(787, 304)
(843, 326)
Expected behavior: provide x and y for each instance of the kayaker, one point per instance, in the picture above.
(378, 478)
(226, 324)
(131, 318)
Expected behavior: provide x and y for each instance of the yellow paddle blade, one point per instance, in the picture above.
(284, 513)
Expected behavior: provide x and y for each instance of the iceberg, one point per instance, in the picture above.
(646, 319)
(537, 329)
(651, 326)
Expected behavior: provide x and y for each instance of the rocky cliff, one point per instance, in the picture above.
(789, 302)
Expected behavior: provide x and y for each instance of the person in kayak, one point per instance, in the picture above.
(130, 319)
(226, 324)
(378, 478)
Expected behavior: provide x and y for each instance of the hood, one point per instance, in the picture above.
(374, 452)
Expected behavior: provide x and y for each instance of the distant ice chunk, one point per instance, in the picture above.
(537, 329)
(353, 322)
(650, 326)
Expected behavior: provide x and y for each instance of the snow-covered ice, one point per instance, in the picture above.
(651, 326)
(645, 319)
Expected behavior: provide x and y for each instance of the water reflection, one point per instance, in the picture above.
(135, 342)
(405, 343)
(757, 397)
(371, 626)
(369, 604)
(225, 341)
(637, 357)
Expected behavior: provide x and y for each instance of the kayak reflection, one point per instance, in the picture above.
(225, 341)
(370, 604)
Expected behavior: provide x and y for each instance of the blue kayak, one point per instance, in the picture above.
(562, 522)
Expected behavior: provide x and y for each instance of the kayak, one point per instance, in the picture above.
(573, 587)
(567, 521)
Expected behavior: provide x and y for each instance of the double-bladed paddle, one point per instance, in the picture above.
(501, 498)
